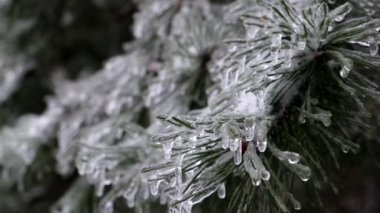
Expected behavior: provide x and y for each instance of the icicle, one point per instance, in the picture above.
(249, 129)
(275, 47)
(325, 118)
(234, 144)
(265, 175)
(345, 149)
(163, 199)
(274, 54)
(193, 140)
(238, 154)
(230, 136)
(344, 71)
(216, 134)
(178, 182)
(231, 47)
(222, 191)
(301, 118)
(130, 201)
(251, 32)
(167, 146)
(302, 171)
(154, 187)
(341, 17)
(288, 58)
(100, 186)
(261, 140)
(108, 207)
(225, 137)
(295, 203)
(301, 45)
(292, 157)
(373, 46)
(145, 191)
(186, 207)
(262, 145)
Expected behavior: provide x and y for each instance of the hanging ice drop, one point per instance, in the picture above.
(345, 149)
(130, 201)
(262, 145)
(234, 144)
(339, 18)
(193, 140)
(288, 58)
(251, 32)
(178, 182)
(238, 154)
(265, 175)
(154, 188)
(256, 182)
(296, 204)
(344, 72)
(301, 45)
(373, 47)
(292, 157)
(163, 198)
(305, 174)
(222, 191)
(108, 207)
(167, 146)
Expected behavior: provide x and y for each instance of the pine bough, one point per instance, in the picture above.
(279, 88)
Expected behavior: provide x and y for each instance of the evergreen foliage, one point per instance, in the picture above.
(217, 106)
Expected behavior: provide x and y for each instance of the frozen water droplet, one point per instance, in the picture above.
(265, 175)
(250, 133)
(145, 191)
(345, 149)
(99, 189)
(232, 47)
(262, 145)
(249, 124)
(256, 182)
(238, 154)
(108, 207)
(339, 18)
(301, 118)
(373, 47)
(163, 198)
(225, 137)
(288, 58)
(234, 144)
(332, 1)
(154, 187)
(292, 157)
(186, 207)
(178, 183)
(297, 205)
(167, 146)
(305, 174)
(274, 54)
(325, 118)
(301, 45)
(251, 32)
(131, 201)
(193, 140)
(344, 71)
(222, 191)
